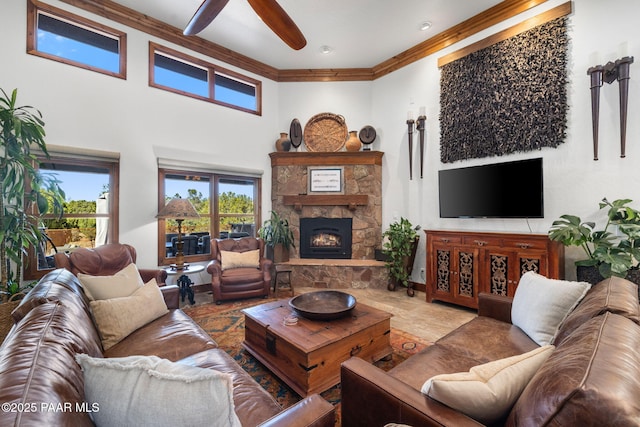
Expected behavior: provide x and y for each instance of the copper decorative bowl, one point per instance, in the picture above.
(323, 305)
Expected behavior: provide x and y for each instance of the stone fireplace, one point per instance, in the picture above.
(325, 238)
(359, 201)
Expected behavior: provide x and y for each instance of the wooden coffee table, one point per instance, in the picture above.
(307, 355)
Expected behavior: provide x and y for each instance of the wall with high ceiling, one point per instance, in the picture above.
(90, 110)
(573, 182)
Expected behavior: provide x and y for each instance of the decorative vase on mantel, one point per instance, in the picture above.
(353, 142)
(283, 143)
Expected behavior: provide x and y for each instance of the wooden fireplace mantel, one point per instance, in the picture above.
(337, 158)
(349, 200)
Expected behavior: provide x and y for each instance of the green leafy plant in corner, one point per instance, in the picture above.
(399, 245)
(25, 194)
(614, 254)
(275, 231)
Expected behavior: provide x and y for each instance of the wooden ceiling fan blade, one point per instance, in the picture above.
(280, 23)
(205, 14)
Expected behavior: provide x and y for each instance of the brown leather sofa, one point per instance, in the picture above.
(243, 282)
(106, 260)
(592, 378)
(38, 372)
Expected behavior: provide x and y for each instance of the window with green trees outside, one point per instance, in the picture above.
(228, 207)
(90, 210)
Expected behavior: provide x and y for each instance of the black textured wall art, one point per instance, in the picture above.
(509, 97)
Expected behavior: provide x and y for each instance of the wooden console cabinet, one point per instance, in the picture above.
(460, 264)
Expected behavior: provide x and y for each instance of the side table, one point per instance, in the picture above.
(183, 281)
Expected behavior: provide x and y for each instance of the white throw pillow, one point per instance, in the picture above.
(540, 305)
(122, 284)
(148, 390)
(230, 259)
(118, 317)
(487, 392)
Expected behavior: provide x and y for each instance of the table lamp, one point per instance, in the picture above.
(178, 209)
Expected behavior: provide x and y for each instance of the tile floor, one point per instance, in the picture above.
(414, 315)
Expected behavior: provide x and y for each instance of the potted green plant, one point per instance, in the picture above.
(278, 237)
(25, 194)
(608, 253)
(400, 250)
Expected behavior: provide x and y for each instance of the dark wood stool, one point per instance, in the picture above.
(282, 279)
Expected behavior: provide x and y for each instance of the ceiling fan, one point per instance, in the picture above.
(268, 10)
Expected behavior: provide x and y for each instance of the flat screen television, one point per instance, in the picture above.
(499, 190)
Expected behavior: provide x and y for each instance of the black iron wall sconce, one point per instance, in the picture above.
(610, 72)
(410, 123)
(420, 127)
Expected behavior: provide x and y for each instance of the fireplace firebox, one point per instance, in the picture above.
(325, 238)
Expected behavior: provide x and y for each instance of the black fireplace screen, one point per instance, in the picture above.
(325, 238)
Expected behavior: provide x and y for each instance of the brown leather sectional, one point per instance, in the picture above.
(54, 323)
(591, 379)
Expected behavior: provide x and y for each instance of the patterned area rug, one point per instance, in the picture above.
(225, 324)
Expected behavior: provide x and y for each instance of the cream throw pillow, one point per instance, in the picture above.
(122, 284)
(487, 392)
(540, 305)
(231, 259)
(118, 317)
(147, 390)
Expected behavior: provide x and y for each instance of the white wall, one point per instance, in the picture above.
(87, 109)
(90, 110)
(574, 183)
(352, 100)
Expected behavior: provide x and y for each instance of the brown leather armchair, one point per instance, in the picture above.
(241, 282)
(106, 260)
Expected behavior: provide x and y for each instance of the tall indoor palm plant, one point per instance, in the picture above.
(25, 194)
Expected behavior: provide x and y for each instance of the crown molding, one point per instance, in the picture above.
(131, 18)
(542, 18)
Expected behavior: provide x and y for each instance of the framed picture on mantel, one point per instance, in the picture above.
(325, 180)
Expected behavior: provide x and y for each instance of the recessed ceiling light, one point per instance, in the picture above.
(425, 25)
(326, 49)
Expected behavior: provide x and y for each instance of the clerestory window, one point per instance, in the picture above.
(185, 75)
(59, 35)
